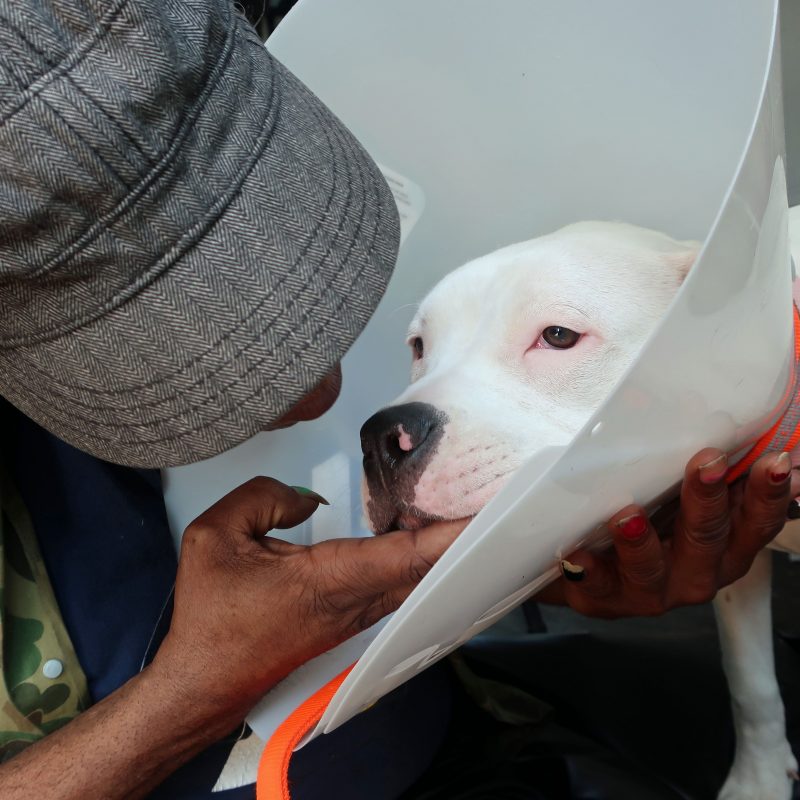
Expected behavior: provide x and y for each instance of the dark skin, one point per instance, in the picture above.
(249, 608)
(315, 403)
(690, 550)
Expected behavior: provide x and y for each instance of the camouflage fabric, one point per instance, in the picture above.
(32, 635)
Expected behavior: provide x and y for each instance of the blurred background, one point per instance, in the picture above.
(266, 14)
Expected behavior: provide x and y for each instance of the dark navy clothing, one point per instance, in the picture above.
(104, 538)
(105, 541)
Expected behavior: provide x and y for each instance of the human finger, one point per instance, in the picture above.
(395, 560)
(362, 580)
(590, 584)
(702, 528)
(257, 506)
(630, 579)
(760, 515)
(641, 559)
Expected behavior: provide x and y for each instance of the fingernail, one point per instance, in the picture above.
(781, 468)
(572, 572)
(793, 512)
(633, 527)
(714, 471)
(313, 495)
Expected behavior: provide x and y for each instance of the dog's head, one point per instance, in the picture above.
(511, 353)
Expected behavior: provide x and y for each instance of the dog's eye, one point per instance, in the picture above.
(418, 347)
(559, 337)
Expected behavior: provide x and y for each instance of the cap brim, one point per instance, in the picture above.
(246, 310)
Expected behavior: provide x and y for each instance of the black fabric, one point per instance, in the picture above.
(106, 544)
(644, 718)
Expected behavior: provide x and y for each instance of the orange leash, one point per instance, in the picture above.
(273, 769)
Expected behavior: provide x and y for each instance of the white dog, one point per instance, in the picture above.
(513, 352)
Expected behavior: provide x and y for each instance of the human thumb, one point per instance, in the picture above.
(401, 558)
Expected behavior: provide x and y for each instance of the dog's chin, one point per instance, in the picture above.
(406, 521)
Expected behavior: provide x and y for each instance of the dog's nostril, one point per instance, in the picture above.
(404, 441)
(401, 433)
(399, 442)
(391, 447)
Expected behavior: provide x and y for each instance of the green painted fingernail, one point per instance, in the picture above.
(313, 495)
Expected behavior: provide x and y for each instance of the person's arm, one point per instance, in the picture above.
(708, 540)
(123, 747)
(248, 610)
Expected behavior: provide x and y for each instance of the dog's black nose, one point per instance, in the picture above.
(399, 437)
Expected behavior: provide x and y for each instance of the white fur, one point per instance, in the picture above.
(505, 399)
(763, 765)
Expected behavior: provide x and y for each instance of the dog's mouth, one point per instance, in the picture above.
(409, 520)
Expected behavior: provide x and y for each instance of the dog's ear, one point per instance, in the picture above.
(681, 261)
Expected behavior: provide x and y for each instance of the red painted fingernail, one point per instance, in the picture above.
(782, 468)
(714, 471)
(633, 527)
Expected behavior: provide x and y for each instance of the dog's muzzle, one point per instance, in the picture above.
(398, 443)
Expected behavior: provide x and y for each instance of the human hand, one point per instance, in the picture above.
(250, 608)
(712, 537)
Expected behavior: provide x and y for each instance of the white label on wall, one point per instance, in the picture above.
(409, 198)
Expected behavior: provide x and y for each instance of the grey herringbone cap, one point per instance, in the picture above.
(189, 239)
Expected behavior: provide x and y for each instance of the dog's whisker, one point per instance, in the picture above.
(487, 482)
(396, 311)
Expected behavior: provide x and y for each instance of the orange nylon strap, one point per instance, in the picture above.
(785, 433)
(273, 769)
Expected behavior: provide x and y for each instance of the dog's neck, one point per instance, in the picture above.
(784, 435)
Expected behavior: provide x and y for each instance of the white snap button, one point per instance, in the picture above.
(52, 668)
